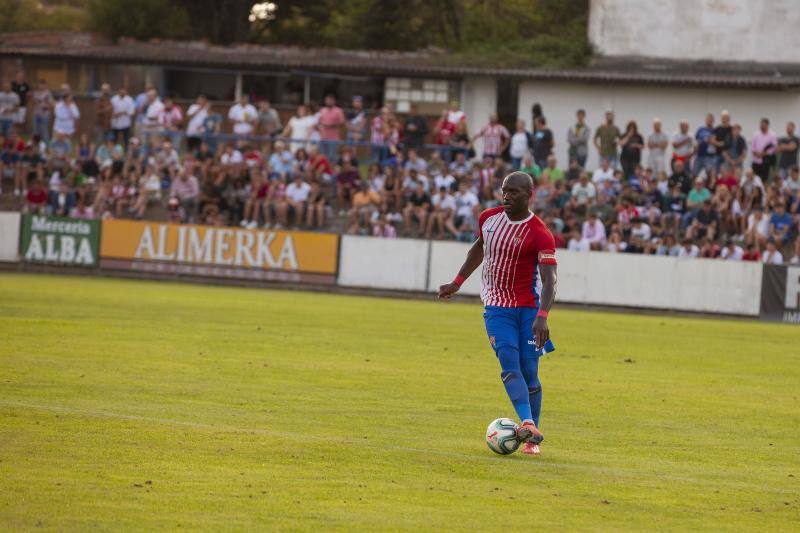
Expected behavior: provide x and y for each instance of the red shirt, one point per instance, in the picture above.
(512, 253)
(321, 163)
(729, 181)
(37, 196)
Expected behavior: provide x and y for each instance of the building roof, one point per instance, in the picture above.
(85, 47)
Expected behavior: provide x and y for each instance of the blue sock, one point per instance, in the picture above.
(530, 369)
(514, 382)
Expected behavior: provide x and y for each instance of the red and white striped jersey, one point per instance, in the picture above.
(512, 253)
(493, 137)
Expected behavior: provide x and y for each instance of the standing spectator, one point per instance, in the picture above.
(356, 121)
(151, 111)
(299, 127)
(763, 146)
(329, 123)
(21, 87)
(42, 111)
(542, 141)
(123, 109)
(186, 189)
(243, 116)
(706, 152)
(443, 130)
(720, 140)
(734, 156)
(9, 104)
(788, 147)
(141, 101)
(103, 110)
(415, 129)
(520, 145)
(66, 114)
(455, 115)
(171, 121)
(657, 143)
(682, 145)
(578, 139)
(606, 138)
(195, 118)
(269, 122)
(631, 154)
(495, 138)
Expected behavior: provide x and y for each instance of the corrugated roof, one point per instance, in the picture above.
(92, 48)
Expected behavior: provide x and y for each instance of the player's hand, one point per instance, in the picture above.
(447, 291)
(541, 331)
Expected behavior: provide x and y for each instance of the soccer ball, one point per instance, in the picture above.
(501, 436)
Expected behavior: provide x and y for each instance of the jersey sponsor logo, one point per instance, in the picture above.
(543, 256)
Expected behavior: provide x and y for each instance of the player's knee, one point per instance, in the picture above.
(534, 390)
(510, 375)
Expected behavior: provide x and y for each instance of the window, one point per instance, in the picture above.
(188, 84)
(430, 95)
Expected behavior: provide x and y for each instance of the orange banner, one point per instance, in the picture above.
(292, 251)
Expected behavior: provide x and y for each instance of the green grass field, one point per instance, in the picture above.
(144, 405)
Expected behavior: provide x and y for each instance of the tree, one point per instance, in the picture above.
(140, 19)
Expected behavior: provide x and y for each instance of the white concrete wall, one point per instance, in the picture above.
(478, 100)
(9, 237)
(597, 278)
(642, 103)
(383, 263)
(739, 30)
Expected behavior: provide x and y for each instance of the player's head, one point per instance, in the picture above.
(517, 192)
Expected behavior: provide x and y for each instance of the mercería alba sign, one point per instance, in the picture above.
(59, 240)
(212, 246)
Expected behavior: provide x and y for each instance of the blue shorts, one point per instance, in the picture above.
(513, 326)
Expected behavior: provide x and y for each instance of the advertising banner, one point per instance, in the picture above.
(59, 240)
(780, 293)
(219, 251)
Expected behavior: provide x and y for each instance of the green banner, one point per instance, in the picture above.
(58, 240)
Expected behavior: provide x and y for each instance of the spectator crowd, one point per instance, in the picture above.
(684, 194)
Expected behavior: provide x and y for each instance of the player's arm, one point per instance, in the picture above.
(541, 331)
(473, 261)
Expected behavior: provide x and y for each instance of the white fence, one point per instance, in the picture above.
(9, 237)
(700, 285)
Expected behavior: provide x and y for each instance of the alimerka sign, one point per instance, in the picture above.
(59, 240)
(218, 251)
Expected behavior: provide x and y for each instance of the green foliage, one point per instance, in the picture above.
(140, 19)
(30, 15)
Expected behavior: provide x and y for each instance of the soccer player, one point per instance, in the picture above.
(517, 251)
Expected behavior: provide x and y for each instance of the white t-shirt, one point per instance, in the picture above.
(519, 145)
(775, 259)
(124, 105)
(300, 129)
(195, 125)
(694, 251)
(446, 202)
(761, 226)
(443, 181)
(298, 193)
(66, 115)
(600, 175)
(454, 117)
(642, 232)
(584, 193)
(233, 158)
(153, 112)
(578, 245)
(736, 255)
(465, 202)
(243, 117)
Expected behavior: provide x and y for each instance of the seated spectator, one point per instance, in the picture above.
(257, 202)
(615, 243)
(688, 249)
(297, 194)
(602, 173)
(640, 236)
(382, 228)
(442, 214)
(365, 203)
(348, 182)
(577, 243)
(315, 207)
(582, 195)
(772, 256)
(419, 203)
(275, 206)
(732, 251)
(36, 199)
(186, 189)
(758, 227)
(62, 201)
(752, 254)
(706, 222)
(594, 232)
(281, 162)
(781, 225)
